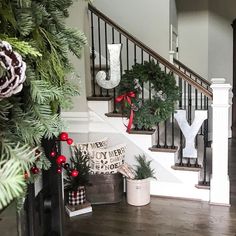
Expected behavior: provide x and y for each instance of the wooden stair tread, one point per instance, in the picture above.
(97, 98)
(163, 149)
(186, 168)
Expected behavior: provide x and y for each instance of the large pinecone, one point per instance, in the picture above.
(11, 81)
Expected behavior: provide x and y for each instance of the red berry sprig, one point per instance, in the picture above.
(63, 136)
(61, 160)
(74, 173)
(69, 141)
(53, 154)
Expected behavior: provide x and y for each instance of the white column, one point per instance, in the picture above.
(220, 186)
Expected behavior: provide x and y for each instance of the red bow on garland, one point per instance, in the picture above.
(127, 98)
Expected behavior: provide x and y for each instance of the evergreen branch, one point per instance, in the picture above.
(22, 47)
(5, 107)
(25, 22)
(75, 39)
(25, 155)
(11, 181)
(51, 123)
(43, 163)
(7, 14)
(44, 92)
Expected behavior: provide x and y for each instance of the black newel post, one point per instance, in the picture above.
(234, 81)
(53, 194)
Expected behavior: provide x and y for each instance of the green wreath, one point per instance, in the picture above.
(149, 110)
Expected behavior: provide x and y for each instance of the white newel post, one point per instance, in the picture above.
(220, 186)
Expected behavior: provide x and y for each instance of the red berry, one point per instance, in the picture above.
(74, 173)
(69, 141)
(35, 170)
(61, 159)
(59, 170)
(53, 154)
(63, 136)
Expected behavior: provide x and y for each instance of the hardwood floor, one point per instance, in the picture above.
(162, 217)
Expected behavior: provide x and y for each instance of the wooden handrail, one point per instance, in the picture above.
(192, 72)
(152, 53)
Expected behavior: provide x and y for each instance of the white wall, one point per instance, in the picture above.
(173, 14)
(147, 21)
(220, 41)
(78, 19)
(193, 34)
(205, 36)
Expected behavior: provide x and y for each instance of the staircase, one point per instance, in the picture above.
(177, 176)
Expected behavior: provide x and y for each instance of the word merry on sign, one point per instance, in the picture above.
(190, 131)
(106, 161)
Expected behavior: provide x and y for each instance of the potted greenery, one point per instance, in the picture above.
(77, 176)
(138, 189)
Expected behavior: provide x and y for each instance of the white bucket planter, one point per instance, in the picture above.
(138, 192)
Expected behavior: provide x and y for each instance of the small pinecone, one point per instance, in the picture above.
(11, 82)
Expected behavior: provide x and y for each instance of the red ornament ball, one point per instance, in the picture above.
(53, 154)
(69, 141)
(59, 170)
(35, 170)
(63, 136)
(74, 173)
(61, 159)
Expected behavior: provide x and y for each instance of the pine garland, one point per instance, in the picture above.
(36, 30)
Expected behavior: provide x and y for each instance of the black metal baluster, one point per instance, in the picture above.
(181, 149)
(185, 96)
(114, 90)
(181, 94)
(149, 84)
(100, 52)
(135, 54)
(93, 59)
(173, 132)
(121, 64)
(158, 136)
(196, 99)
(201, 99)
(142, 82)
(189, 104)
(106, 56)
(204, 182)
(165, 137)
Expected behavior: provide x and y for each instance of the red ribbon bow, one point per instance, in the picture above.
(127, 98)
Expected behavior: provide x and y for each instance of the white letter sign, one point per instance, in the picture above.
(114, 80)
(190, 132)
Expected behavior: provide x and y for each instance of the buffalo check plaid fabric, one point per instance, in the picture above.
(77, 197)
